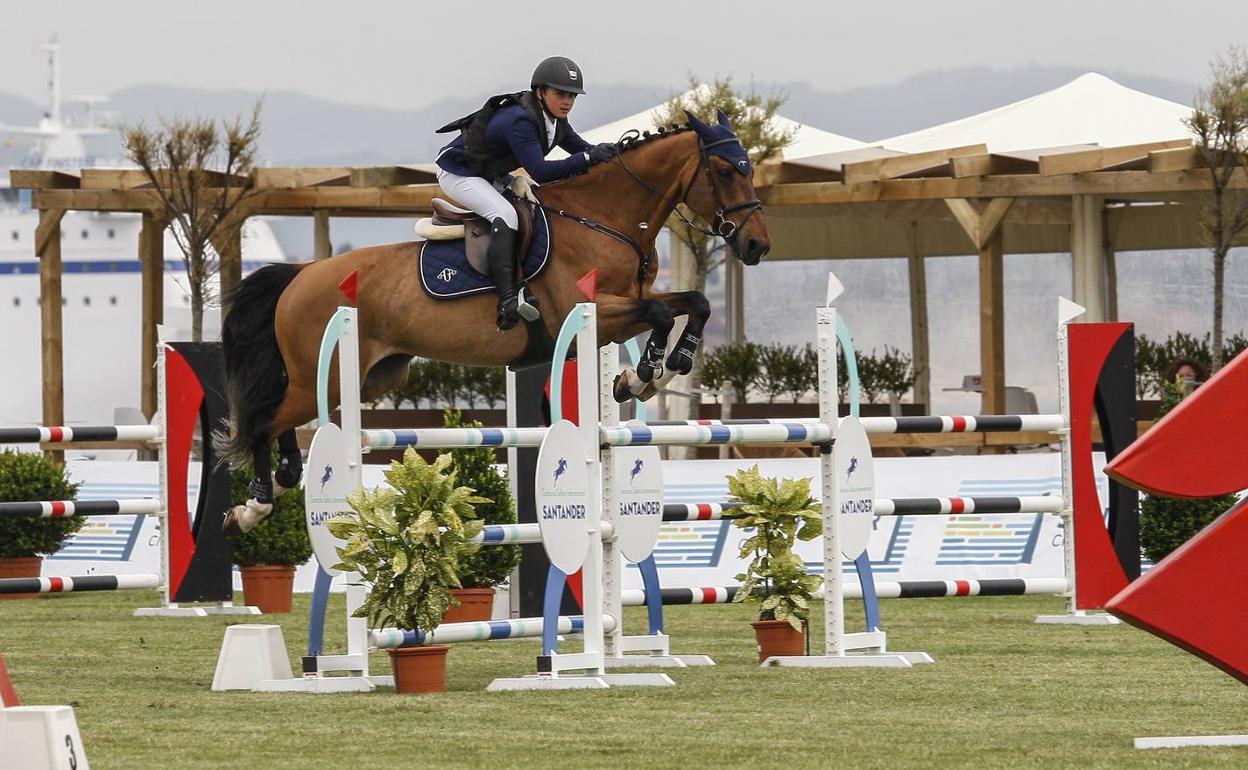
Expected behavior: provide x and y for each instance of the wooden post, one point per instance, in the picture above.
(920, 350)
(992, 324)
(983, 225)
(228, 241)
(1087, 255)
(48, 251)
(152, 262)
(1109, 228)
(734, 293)
(321, 246)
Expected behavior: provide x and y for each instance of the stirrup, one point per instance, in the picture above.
(527, 310)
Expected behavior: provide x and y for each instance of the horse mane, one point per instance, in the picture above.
(632, 140)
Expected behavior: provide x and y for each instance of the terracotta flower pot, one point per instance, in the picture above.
(777, 637)
(475, 604)
(268, 586)
(419, 669)
(20, 567)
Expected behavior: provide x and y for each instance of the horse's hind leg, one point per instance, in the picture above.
(241, 518)
(289, 463)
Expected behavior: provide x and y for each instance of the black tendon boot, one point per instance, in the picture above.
(512, 305)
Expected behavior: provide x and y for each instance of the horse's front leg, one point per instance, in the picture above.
(621, 319)
(695, 305)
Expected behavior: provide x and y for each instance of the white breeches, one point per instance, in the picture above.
(479, 195)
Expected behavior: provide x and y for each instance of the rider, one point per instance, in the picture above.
(515, 131)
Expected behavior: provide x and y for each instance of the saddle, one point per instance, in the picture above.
(451, 223)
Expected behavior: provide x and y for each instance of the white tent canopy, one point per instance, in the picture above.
(1089, 110)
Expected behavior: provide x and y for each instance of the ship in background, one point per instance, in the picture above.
(101, 285)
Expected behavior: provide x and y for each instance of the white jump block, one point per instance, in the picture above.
(251, 653)
(1079, 618)
(41, 738)
(1186, 741)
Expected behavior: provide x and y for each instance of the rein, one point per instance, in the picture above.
(721, 226)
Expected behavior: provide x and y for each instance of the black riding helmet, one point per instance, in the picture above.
(559, 72)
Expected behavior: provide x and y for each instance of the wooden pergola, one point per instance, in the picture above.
(1090, 202)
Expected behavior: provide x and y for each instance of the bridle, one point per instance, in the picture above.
(720, 226)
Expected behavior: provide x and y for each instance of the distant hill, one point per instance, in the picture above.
(304, 130)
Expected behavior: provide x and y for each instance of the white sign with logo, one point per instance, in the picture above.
(565, 512)
(854, 491)
(326, 484)
(639, 479)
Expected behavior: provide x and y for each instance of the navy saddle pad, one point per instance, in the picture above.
(446, 274)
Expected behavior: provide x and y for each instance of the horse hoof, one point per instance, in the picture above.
(242, 518)
(680, 362)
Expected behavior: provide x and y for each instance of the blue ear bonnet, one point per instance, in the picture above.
(720, 141)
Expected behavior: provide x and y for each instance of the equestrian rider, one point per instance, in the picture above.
(515, 131)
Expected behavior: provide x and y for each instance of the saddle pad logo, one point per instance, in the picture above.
(447, 274)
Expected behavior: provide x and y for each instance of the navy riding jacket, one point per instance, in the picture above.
(513, 132)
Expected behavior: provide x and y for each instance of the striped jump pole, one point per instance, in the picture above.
(56, 585)
(56, 509)
(454, 438)
(64, 434)
(898, 506)
(726, 435)
(519, 534)
(481, 631)
(905, 589)
(1004, 423)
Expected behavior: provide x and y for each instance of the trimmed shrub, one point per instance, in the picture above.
(1167, 523)
(29, 477)
(491, 565)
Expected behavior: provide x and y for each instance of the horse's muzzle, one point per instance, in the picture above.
(753, 251)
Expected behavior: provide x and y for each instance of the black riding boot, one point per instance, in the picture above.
(501, 256)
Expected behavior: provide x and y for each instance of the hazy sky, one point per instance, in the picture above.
(406, 54)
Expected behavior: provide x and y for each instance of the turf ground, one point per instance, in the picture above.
(1004, 692)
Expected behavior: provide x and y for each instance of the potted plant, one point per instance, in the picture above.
(29, 477)
(780, 513)
(480, 571)
(406, 543)
(268, 555)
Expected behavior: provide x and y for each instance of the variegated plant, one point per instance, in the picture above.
(780, 512)
(407, 541)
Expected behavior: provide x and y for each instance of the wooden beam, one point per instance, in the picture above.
(302, 177)
(1119, 183)
(1102, 157)
(979, 224)
(43, 180)
(390, 176)
(48, 244)
(984, 165)
(1176, 159)
(992, 325)
(152, 262)
(888, 168)
(134, 178)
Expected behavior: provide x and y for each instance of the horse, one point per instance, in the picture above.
(606, 219)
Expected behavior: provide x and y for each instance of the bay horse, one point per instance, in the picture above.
(606, 220)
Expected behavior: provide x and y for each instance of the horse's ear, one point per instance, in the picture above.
(723, 120)
(694, 122)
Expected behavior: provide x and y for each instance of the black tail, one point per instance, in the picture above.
(255, 374)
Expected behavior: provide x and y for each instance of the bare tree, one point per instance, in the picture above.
(752, 117)
(1219, 123)
(200, 170)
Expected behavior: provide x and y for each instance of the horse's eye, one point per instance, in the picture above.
(724, 173)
